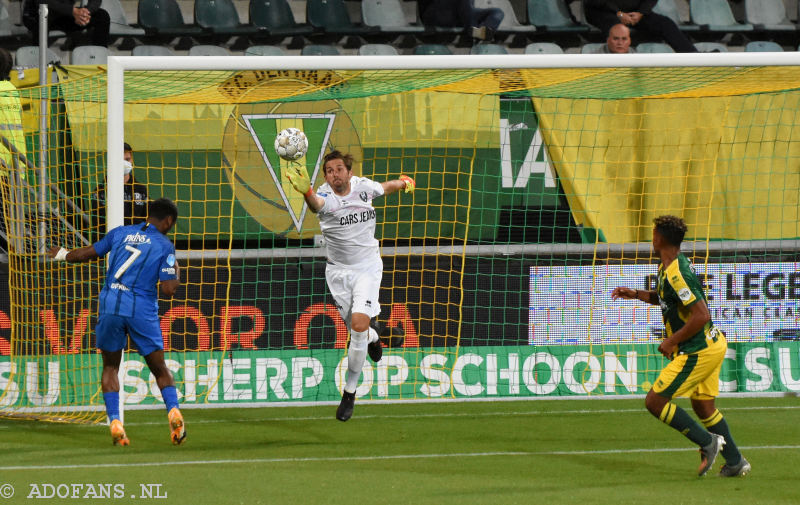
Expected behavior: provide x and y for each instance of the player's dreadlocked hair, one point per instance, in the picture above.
(672, 228)
(163, 207)
(337, 155)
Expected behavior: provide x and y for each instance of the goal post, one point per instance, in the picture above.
(538, 177)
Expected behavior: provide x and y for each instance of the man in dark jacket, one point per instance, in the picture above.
(638, 15)
(65, 16)
(134, 196)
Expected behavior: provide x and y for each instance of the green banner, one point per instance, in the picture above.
(318, 374)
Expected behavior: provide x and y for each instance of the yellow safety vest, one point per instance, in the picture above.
(11, 123)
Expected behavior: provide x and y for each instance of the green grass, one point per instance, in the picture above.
(545, 452)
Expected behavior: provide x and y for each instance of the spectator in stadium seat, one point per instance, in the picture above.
(478, 23)
(66, 16)
(134, 196)
(618, 42)
(639, 15)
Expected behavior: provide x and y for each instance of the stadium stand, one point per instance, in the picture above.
(670, 9)
(221, 19)
(28, 56)
(543, 48)
(208, 50)
(553, 16)
(716, 16)
(163, 21)
(388, 17)
(432, 49)
(89, 55)
(510, 25)
(377, 50)
(763, 46)
(654, 47)
(152, 50)
(711, 47)
(332, 22)
(264, 50)
(8, 25)
(488, 48)
(320, 50)
(767, 15)
(592, 47)
(119, 22)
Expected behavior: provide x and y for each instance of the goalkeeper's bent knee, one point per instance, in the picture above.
(358, 340)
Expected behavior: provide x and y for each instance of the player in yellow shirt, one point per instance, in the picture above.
(696, 349)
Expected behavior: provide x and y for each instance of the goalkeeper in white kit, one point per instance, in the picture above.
(355, 268)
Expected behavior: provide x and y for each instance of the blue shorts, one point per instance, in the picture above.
(112, 333)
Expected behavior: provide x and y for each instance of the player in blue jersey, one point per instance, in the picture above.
(695, 348)
(141, 258)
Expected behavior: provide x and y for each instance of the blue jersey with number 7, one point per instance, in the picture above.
(140, 257)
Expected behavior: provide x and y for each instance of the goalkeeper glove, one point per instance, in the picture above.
(410, 184)
(298, 176)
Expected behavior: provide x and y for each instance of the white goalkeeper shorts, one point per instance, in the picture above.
(355, 289)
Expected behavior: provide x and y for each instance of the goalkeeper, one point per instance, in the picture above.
(355, 268)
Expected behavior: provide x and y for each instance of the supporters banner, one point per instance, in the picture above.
(316, 375)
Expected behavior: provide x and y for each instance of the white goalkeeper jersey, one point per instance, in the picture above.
(348, 222)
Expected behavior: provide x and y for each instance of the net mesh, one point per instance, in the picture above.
(536, 194)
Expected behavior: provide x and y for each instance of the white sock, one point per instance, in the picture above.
(373, 335)
(356, 355)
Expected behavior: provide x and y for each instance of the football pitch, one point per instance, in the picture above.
(504, 452)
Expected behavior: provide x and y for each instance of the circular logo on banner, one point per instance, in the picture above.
(257, 173)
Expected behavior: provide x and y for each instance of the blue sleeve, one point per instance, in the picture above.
(105, 244)
(167, 270)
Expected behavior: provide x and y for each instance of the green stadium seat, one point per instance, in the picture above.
(763, 46)
(89, 55)
(151, 50)
(388, 17)
(553, 16)
(320, 50)
(220, 17)
(768, 15)
(485, 48)
(275, 18)
(711, 47)
(543, 48)
(264, 50)
(377, 50)
(119, 23)
(670, 9)
(432, 49)
(510, 24)
(28, 56)
(330, 17)
(208, 50)
(716, 16)
(654, 47)
(164, 18)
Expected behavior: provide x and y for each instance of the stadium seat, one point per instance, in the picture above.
(119, 22)
(275, 18)
(485, 48)
(763, 46)
(8, 27)
(28, 56)
(377, 50)
(711, 47)
(164, 18)
(510, 24)
(151, 50)
(432, 49)
(320, 50)
(767, 15)
(331, 18)
(553, 16)
(264, 51)
(220, 18)
(716, 16)
(89, 55)
(388, 16)
(654, 47)
(670, 9)
(208, 50)
(543, 48)
(592, 47)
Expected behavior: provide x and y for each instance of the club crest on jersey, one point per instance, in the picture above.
(137, 238)
(171, 260)
(363, 196)
(684, 294)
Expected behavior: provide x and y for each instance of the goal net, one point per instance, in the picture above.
(537, 182)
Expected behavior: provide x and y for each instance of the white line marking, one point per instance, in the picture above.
(380, 458)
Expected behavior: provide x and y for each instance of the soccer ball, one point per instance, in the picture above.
(291, 144)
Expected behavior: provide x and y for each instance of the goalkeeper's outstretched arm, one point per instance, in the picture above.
(405, 183)
(298, 176)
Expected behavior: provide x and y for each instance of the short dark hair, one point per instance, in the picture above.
(672, 228)
(337, 155)
(6, 64)
(126, 148)
(161, 208)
